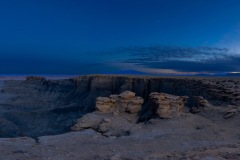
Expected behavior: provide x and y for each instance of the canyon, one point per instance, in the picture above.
(120, 117)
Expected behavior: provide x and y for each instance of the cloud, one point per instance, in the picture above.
(177, 60)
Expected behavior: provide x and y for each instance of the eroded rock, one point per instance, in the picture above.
(125, 102)
(90, 120)
(167, 106)
(201, 102)
(116, 126)
(127, 94)
(105, 104)
(115, 115)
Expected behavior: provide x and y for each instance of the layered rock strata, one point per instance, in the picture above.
(166, 105)
(125, 102)
(38, 106)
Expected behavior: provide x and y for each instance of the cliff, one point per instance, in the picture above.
(38, 106)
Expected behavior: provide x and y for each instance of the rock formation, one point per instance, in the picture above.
(45, 111)
(38, 107)
(166, 105)
(90, 120)
(201, 102)
(125, 102)
(105, 104)
(115, 115)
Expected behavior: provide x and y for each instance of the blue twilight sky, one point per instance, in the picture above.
(107, 36)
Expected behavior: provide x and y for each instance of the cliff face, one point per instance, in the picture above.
(38, 106)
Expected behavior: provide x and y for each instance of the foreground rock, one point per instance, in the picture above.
(115, 115)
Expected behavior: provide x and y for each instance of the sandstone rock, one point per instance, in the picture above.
(127, 94)
(168, 105)
(106, 124)
(103, 127)
(116, 126)
(133, 108)
(125, 102)
(90, 120)
(137, 100)
(105, 104)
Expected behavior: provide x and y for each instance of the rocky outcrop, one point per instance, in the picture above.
(115, 115)
(124, 102)
(201, 104)
(116, 126)
(90, 120)
(166, 105)
(105, 104)
(44, 107)
(32, 108)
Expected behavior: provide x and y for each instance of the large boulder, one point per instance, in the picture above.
(116, 126)
(167, 105)
(115, 115)
(90, 120)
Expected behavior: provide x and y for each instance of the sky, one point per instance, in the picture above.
(111, 36)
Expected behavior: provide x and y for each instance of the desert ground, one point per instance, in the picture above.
(120, 118)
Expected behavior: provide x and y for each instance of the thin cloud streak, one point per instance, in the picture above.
(177, 60)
